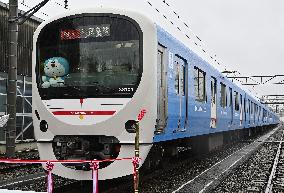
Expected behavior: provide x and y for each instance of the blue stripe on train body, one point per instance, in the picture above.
(199, 113)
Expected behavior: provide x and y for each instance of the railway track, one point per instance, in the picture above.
(30, 155)
(277, 184)
(276, 179)
(13, 171)
(262, 172)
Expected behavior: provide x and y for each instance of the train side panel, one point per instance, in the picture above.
(191, 113)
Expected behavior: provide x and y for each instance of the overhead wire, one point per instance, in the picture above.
(200, 44)
(54, 1)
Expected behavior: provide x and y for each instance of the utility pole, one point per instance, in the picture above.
(12, 78)
(14, 22)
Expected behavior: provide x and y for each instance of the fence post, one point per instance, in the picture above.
(95, 176)
(49, 167)
(136, 160)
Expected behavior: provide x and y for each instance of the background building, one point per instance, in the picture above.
(24, 86)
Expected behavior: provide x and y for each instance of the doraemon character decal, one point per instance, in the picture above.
(55, 70)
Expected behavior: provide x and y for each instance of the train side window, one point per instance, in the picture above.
(199, 85)
(223, 99)
(180, 76)
(241, 101)
(182, 80)
(177, 78)
(231, 97)
(248, 110)
(237, 105)
(264, 115)
(213, 90)
(251, 109)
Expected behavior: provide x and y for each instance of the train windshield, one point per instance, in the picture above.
(89, 56)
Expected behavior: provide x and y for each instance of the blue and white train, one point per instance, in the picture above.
(96, 70)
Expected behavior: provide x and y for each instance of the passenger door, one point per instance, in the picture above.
(231, 106)
(213, 122)
(245, 109)
(180, 66)
(162, 98)
(241, 110)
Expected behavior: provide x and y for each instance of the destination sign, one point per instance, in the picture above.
(94, 31)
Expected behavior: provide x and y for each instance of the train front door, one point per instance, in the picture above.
(213, 122)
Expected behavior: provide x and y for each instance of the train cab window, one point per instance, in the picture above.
(199, 85)
(89, 55)
(237, 105)
(223, 99)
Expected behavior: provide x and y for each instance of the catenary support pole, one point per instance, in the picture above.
(12, 78)
(14, 22)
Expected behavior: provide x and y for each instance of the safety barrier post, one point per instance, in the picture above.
(49, 168)
(135, 161)
(95, 176)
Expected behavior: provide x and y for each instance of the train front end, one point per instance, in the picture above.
(93, 74)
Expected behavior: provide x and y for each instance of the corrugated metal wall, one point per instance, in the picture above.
(24, 43)
(24, 125)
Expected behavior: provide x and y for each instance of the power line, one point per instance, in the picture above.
(201, 45)
(197, 37)
(65, 6)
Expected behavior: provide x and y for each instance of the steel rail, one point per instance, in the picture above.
(273, 170)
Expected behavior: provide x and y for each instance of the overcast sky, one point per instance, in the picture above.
(246, 35)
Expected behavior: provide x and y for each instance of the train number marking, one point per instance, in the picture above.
(125, 89)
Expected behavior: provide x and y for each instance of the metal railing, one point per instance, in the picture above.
(94, 165)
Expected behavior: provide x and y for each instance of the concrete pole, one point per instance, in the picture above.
(12, 78)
